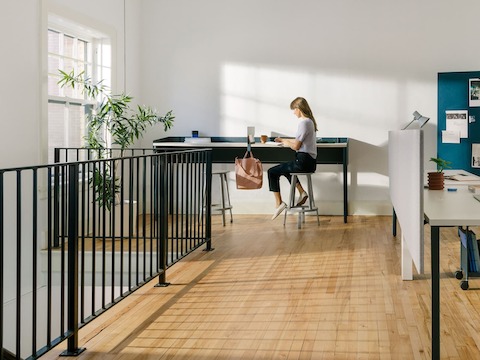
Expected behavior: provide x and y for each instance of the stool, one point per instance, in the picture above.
(303, 208)
(225, 200)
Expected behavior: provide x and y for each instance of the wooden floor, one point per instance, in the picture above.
(274, 292)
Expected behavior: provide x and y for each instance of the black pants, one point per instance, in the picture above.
(303, 163)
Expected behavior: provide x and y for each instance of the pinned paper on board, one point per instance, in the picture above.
(457, 120)
(474, 92)
(475, 155)
(450, 137)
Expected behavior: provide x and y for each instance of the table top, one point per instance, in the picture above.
(238, 142)
(269, 144)
(472, 178)
(451, 208)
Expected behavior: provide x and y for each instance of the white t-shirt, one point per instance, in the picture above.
(307, 135)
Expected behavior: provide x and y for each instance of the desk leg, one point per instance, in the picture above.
(435, 258)
(345, 187)
(394, 223)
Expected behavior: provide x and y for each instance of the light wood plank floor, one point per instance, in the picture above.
(274, 292)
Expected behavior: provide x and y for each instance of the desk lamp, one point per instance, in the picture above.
(420, 119)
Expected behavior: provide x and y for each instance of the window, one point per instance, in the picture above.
(69, 49)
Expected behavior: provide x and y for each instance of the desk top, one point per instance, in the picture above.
(239, 142)
(472, 178)
(226, 149)
(451, 208)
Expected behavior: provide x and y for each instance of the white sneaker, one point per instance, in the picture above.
(301, 200)
(279, 210)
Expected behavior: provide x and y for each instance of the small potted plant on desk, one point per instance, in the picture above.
(436, 178)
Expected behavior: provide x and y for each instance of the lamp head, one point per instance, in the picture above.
(419, 118)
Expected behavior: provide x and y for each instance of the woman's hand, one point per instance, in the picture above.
(293, 144)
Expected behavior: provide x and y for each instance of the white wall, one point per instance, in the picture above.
(19, 93)
(364, 66)
(222, 65)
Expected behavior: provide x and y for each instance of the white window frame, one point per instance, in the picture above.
(77, 26)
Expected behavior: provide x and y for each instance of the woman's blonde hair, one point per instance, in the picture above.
(302, 104)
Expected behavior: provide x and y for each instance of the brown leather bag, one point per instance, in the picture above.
(248, 172)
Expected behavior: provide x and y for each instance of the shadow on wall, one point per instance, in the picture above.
(368, 168)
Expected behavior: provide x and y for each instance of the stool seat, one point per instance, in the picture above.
(301, 209)
(225, 203)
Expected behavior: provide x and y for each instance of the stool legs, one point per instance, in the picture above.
(225, 203)
(311, 207)
(312, 199)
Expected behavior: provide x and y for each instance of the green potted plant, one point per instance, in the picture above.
(113, 115)
(436, 178)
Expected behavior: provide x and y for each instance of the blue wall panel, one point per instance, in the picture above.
(453, 94)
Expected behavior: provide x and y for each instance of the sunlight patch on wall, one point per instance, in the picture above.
(373, 179)
(260, 97)
(356, 105)
(363, 107)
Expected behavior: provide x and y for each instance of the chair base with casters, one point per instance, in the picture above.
(305, 208)
(225, 203)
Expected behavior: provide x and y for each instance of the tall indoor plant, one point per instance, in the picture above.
(113, 116)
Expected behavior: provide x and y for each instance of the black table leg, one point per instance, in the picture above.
(345, 186)
(394, 223)
(435, 259)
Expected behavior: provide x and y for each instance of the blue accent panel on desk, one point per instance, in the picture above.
(453, 94)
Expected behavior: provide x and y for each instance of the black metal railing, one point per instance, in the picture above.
(78, 236)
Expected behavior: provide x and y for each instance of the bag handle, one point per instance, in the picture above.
(249, 152)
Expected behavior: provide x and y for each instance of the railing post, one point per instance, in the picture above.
(2, 350)
(56, 199)
(208, 202)
(72, 275)
(162, 191)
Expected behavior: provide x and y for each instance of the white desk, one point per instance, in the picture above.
(454, 183)
(331, 151)
(443, 209)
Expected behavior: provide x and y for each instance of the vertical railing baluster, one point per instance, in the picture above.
(84, 223)
(144, 201)
(155, 203)
(50, 232)
(72, 282)
(2, 214)
(188, 194)
(95, 223)
(151, 227)
(122, 217)
(163, 218)
(106, 200)
(178, 211)
(208, 208)
(19, 262)
(137, 252)
(56, 199)
(204, 195)
(113, 226)
(130, 221)
(63, 177)
(34, 262)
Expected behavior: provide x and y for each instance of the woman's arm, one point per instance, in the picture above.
(293, 144)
